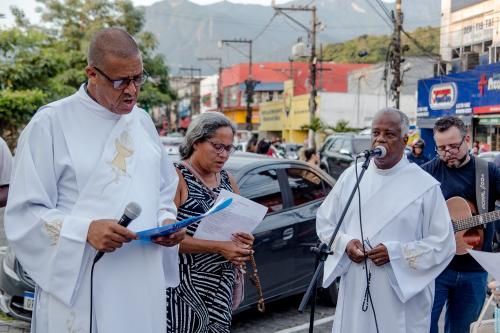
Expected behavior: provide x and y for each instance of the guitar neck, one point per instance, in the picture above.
(474, 221)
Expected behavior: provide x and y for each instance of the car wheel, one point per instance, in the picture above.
(331, 293)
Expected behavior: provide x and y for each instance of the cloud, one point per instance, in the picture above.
(358, 8)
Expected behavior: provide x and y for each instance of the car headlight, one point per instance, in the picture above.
(10, 258)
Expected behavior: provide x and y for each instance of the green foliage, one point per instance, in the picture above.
(17, 107)
(377, 46)
(342, 126)
(316, 125)
(40, 64)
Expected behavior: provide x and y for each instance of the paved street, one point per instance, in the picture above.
(283, 317)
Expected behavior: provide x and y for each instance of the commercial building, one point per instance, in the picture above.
(467, 81)
(288, 114)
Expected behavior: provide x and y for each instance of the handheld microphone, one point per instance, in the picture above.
(379, 151)
(132, 211)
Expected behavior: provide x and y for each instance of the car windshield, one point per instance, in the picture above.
(361, 143)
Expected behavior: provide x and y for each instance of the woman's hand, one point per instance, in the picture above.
(245, 240)
(235, 252)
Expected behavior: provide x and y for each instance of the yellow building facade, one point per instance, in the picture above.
(239, 116)
(287, 115)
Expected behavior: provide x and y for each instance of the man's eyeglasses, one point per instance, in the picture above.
(452, 149)
(123, 83)
(219, 147)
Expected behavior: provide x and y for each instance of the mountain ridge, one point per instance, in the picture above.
(187, 31)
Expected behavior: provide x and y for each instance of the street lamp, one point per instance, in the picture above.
(249, 82)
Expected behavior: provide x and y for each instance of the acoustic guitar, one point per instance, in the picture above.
(469, 233)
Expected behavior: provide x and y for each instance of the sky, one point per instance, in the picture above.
(29, 7)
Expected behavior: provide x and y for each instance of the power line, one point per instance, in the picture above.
(265, 28)
(380, 15)
(384, 9)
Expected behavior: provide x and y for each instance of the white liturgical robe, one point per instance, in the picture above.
(77, 162)
(402, 208)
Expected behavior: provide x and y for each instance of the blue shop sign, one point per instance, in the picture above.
(476, 91)
(445, 95)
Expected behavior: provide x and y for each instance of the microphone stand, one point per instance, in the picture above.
(324, 250)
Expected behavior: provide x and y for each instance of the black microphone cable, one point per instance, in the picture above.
(368, 295)
(91, 293)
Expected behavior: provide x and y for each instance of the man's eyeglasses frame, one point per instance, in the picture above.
(452, 149)
(121, 84)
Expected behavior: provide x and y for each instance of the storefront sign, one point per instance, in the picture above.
(489, 121)
(443, 96)
(476, 91)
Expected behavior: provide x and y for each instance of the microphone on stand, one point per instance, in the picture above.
(132, 211)
(377, 152)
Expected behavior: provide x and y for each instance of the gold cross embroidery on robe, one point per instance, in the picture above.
(411, 256)
(123, 150)
(53, 229)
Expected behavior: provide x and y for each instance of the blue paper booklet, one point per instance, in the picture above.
(170, 228)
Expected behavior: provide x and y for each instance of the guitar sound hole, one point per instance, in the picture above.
(472, 237)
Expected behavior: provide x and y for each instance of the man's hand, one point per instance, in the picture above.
(172, 239)
(107, 235)
(379, 255)
(354, 250)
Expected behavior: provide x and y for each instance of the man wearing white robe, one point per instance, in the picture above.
(407, 234)
(79, 162)
(5, 170)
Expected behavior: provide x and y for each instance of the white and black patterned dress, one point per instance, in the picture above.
(202, 303)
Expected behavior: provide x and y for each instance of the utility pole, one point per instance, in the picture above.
(397, 53)
(219, 80)
(311, 31)
(195, 99)
(250, 83)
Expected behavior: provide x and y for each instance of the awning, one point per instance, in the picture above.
(429, 122)
(265, 86)
(489, 121)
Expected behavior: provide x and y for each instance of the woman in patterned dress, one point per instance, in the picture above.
(202, 303)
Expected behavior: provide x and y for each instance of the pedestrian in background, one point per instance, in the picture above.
(417, 153)
(311, 156)
(264, 148)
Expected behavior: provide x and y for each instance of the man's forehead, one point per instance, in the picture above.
(386, 124)
(450, 134)
(125, 66)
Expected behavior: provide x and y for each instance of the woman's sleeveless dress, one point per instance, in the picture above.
(202, 303)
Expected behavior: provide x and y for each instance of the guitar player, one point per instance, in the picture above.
(462, 285)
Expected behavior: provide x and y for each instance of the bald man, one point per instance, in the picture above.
(388, 266)
(79, 162)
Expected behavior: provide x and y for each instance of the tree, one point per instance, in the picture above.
(377, 47)
(39, 64)
(342, 126)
